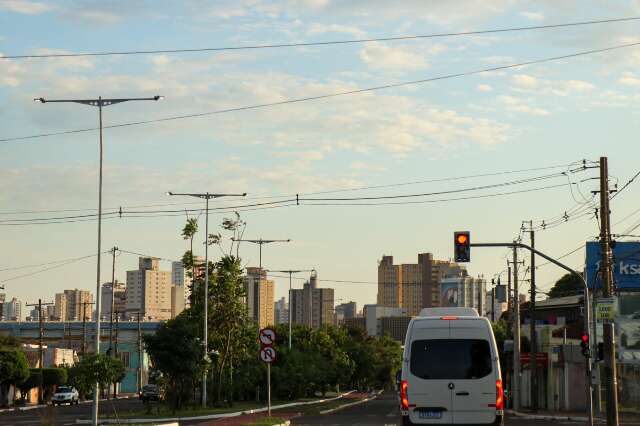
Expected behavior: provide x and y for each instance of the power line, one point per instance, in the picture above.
(626, 185)
(330, 95)
(361, 188)
(13, 268)
(49, 268)
(320, 43)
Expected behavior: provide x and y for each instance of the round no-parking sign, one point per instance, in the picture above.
(268, 354)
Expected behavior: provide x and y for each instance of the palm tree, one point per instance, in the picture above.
(188, 232)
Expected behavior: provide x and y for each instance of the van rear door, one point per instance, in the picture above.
(429, 394)
(473, 352)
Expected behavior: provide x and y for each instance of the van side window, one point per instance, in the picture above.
(450, 359)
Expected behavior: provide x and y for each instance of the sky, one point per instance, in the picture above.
(530, 121)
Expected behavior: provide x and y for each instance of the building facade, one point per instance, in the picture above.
(464, 292)
(312, 306)
(414, 286)
(395, 327)
(346, 310)
(119, 298)
(12, 310)
(149, 290)
(281, 311)
(180, 277)
(77, 303)
(259, 297)
(373, 315)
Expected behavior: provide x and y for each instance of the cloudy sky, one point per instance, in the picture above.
(412, 137)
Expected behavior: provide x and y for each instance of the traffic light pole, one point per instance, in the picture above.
(587, 310)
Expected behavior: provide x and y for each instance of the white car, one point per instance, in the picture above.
(450, 370)
(65, 395)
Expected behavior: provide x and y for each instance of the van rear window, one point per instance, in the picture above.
(450, 359)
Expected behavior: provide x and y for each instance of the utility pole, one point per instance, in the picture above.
(532, 330)
(139, 372)
(607, 279)
(207, 196)
(115, 353)
(291, 272)
(41, 345)
(113, 298)
(84, 326)
(516, 334)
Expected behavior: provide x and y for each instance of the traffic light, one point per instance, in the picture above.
(462, 246)
(584, 345)
(600, 354)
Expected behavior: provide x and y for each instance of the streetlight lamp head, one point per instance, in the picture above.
(41, 100)
(169, 193)
(158, 98)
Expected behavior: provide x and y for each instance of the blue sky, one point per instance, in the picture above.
(543, 115)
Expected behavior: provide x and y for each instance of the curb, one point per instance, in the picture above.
(351, 404)
(549, 417)
(33, 407)
(213, 416)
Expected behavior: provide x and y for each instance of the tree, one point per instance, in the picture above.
(188, 232)
(14, 369)
(33, 381)
(53, 377)
(176, 352)
(95, 368)
(567, 285)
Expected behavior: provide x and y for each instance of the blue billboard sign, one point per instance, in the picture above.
(626, 265)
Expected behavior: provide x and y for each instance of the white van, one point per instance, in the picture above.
(450, 370)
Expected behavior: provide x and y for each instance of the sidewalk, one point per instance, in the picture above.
(625, 417)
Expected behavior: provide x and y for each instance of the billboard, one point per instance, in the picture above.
(626, 265)
(449, 293)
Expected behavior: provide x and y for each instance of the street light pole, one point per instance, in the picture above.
(207, 196)
(100, 103)
(291, 272)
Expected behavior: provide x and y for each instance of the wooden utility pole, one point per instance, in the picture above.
(41, 346)
(115, 353)
(84, 326)
(607, 280)
(113, 285)
(516, 334)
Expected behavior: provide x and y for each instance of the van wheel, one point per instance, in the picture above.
(406, 421)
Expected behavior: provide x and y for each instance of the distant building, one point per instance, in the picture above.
(3, 297)
(120, 300)
(312, 306)
(259, 297)
(35, 313)
(12, 310)
(414, 286)
(73, 304)
(357, 322)
(51, 313)
(149, 290)
(345, 310)
(180, 276)
(395, 327)
(464, 292)
(493, 306)
(177, 300)
(281, 311)
(60, 307)
(373, 315)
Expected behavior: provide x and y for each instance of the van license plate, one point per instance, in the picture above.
(423, 414)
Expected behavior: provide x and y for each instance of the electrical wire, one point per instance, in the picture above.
(30, 274)
(331, 95)
(321, 43)
(35, 265)
(361, 188)
(626, 185)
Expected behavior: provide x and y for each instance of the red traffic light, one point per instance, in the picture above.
(585, 338)
(462, 238)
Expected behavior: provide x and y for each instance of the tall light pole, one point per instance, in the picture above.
(291, 272)
(260, 242)
(207, 196)
(100, 103)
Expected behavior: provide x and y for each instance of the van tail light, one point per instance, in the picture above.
(404, 398)
(449, 318)
(499, 395)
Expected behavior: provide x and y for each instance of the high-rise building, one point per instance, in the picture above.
(3, 297)
(312, 306)
(414, 286)
(149, 290)
(78, 303)
(345, 311)
(259, 297)
(464, 292)
(281, 311)
(180, 276)
(119, 299)
(34, 314)
(12, 310)
(60, 307)
(51, 313)
(373, 315)
(177, 300)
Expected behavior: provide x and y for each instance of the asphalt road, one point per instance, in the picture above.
(383, 411)
(65, 414)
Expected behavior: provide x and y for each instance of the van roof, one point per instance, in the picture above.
(439, 312)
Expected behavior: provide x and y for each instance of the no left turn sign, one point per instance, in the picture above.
(267, 337)
(268, 354)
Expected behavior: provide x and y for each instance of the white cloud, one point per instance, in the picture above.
(579, 86)
(484, 88)
(25, 7)
(532, 16)
(629, 79)
(524, 81)
(160, 60)
(523, 106)
(380, 56)
(316, 28)
(361, 166)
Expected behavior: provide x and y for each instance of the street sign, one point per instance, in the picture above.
(605, 309)
(267, 337)
(625, 263)
(268, 354)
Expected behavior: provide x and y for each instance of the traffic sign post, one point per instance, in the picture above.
(267, 337)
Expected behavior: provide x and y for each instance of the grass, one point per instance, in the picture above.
(267, 421)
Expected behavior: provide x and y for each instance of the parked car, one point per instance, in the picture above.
(450, 372)
(150, 393)
(65, 395)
